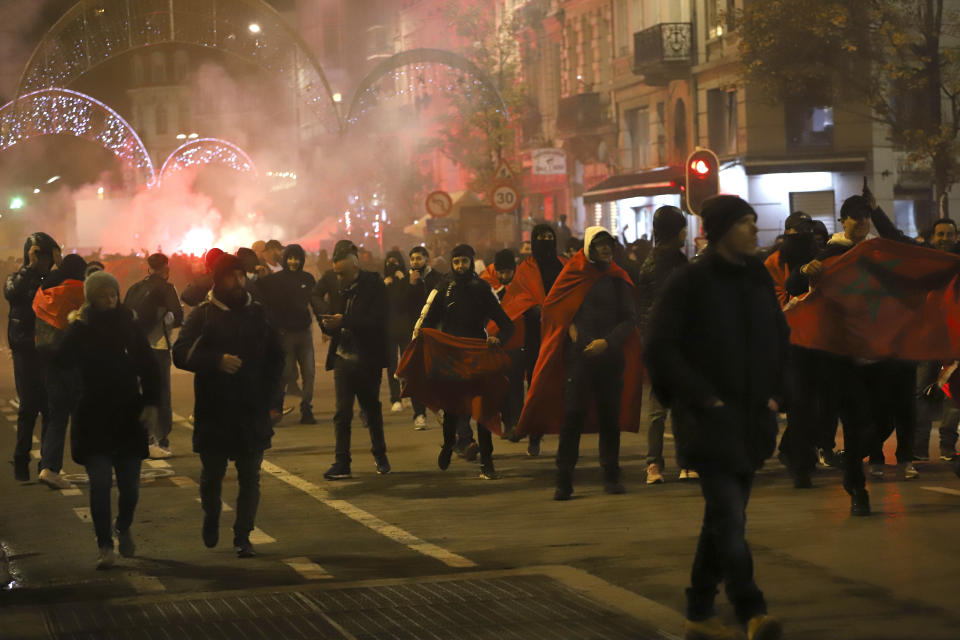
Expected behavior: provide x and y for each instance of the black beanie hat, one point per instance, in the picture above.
(73, 267)
(225, 264)
(720, 213)
(462, 250)
(342, 249)
(668, 221)
(248, 258)
(799, 221)
(504, 260)
(210, 259)
(856, 207)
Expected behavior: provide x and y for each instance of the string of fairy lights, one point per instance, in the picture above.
(208, 151)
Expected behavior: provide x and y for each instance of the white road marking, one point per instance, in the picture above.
(368, 519)
(183, 482)
(144, 584)
(35, 440)
(257, 536)
(35, 454)
(11, 417)
(949, 492)
(307, 568)
(15, 403)
(157, 464)
(363, 517)
(225, 507)
(71, 492)
(83, 513)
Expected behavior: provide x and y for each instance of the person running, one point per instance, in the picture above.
(119, 394)
(716, 351)
(237, 361)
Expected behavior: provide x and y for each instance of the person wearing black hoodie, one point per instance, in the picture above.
(400, 320)
(286, 295)
(462, 306)
(716, 351)
(423, 279)
(357, 355)
(40, 254)
(60, 294)
(119, 392)
(237, 361)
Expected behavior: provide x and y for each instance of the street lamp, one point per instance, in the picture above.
(254, 28)
(16, 203)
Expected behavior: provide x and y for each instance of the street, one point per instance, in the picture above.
(422, 553)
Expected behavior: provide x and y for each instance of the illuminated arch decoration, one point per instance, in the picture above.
(405, 65)
(208, 151)
(92, 33)
(65, 112)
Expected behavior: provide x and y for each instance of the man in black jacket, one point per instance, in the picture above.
(423, 279)
(669, 234)
(462, 306)
(238, 361)
(286, 295)
(400, 320)
(40, 254)
(357, 355)
(716, 350)
(196, 292)
(158, 312)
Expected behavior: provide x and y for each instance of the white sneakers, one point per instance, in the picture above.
(54, 480)
(159, 453)
(654, 475)
(396, 407)
(420, 423)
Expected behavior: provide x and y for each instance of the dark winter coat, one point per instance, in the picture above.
(196, 292)
(608, 312)
(464, 308)
(118, 377)
(19, 290)
(158, 295)
(286, 294)
(326, 294)
(718, 333)
(400, 318)
(364, 330)
(653, 276)
(231, 411)
(419, 291)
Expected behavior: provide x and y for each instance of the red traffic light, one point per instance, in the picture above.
(703, 178)
(699, 167)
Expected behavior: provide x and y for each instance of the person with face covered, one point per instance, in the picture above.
(587, 376)
(423, 279)
(40, 254)
(237, 360)
(400, 323)
(462, 306)
(287, 295)
(872, 398)
(117, 405)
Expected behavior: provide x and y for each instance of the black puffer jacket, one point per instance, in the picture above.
(286, 294)
(653, 276)
(231, 411)
(718, 333)
(118, 377)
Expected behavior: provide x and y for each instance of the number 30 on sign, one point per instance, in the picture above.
(505, 198)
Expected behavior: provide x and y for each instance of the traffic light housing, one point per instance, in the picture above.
(703, 178)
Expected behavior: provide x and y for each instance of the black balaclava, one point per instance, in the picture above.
(797, 249)
(459, 251)
(394, 262)
(545, 253)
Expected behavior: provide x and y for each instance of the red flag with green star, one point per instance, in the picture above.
(883, 299)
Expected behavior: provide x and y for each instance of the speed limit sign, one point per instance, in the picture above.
(504, 197)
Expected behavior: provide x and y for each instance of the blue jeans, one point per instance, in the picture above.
(63, 386)
(248, 495)
(722, 551)
(100, 470)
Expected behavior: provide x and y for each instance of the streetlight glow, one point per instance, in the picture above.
(254, 28)
(337, 97)
(53, 179)
(16, 203)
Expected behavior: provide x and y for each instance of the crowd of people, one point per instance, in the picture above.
(543, 341)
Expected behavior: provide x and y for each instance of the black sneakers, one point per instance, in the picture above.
(487, 472)
(125, 544)
(338, 471)
(306, 417)
(443, 460)
(21, 470)
(533, 446)
(383, 465)
(611, 481)
(564, 486)
(859, 502)
(211, 530)
(243, 548)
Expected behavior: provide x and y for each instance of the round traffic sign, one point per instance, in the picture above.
(439, 204)
(504, 197)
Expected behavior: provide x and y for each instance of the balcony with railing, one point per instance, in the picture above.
(664, 52)
(579, 113)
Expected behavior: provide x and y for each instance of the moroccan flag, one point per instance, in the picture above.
(489, 275)
(883, 299)
(524, 292)
(464, 376)
(543, 410)
(54, 305)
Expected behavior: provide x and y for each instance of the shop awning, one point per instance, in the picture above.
(631, 185)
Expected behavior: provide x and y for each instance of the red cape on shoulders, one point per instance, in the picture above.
(543, 410)
(524, 292)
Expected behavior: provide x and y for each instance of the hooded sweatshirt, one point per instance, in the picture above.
(545, 254)
(400, 319)
(19, 290)
(286, 294)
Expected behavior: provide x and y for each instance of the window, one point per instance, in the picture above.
(809, 126)
(139, 79)
(680, 127)
(161, 120)
(819, 205)
(621, 25)
(733, 124)
(180, 64)
(722, 120)
(158, 68)
(661, 134)
(638, 127)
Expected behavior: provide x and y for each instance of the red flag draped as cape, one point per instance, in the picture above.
(489, 275)
(54, 305)
(524, 292)
(464, 376)
(543, 410)
(883, 299)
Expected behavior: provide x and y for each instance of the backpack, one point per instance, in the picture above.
(144, 299)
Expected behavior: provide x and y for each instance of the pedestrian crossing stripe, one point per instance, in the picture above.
(71, 492)
(183, 482)
(949, 492)
(307, 568)
(257, 536)
(35, 454)
(224, 506)
(157, 464)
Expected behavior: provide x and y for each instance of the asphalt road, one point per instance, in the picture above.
(890, 576)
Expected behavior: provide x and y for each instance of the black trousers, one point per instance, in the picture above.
(30, 379)
(353, 379)
(214, 467)
(856, 387)
(929, 410)
(598, 382)
(513, 403)
(799, 441)
(453, 424)
(894, 409)
(723, 554)
(395, 346)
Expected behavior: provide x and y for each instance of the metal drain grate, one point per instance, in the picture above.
(519, 607)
